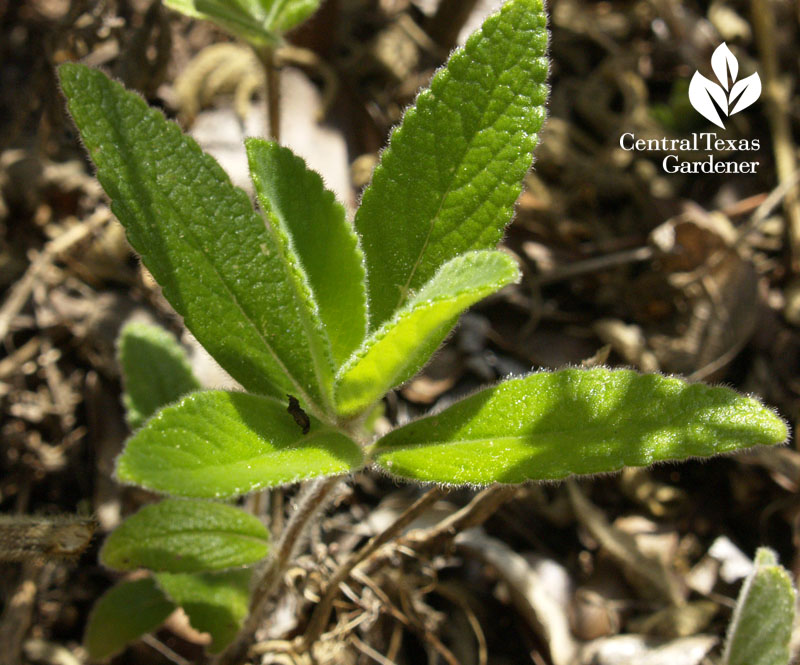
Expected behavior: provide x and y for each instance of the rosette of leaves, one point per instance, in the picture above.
(318, 317)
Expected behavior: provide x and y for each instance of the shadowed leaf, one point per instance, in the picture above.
(216, 603)
(762, 622)
(155, 371)
(181, 536)
(124, 613)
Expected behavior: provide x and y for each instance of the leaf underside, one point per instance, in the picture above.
(761, 628)
(395, 352)
(182, 536)
(219, 265)
(216, 603)
(555, 424)
(124, 613)
(448, 181)
(155, 369)
(219, 444)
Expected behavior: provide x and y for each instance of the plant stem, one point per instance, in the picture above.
(272, 77)
(322, 611)
(313, 498)
(476, 512)
(777, 99)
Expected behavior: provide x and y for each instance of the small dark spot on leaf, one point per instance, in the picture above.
(300, 416)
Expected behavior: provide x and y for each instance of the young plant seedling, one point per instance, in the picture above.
(260, 23)
(318, 318)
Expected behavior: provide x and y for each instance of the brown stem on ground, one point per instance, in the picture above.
(311, 501)
(476, 512)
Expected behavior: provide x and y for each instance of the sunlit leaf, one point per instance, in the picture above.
(397, 350)
(315, 227)
(554, 424)
(448, 181)
(224, 444)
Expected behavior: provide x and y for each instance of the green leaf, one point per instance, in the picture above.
(219, 444)
(260, 22)
(186, 7)
(554, 424)
(761, 628)
(179, 536)
(155, 370)
(220, 266)
(448, 181)
(314, 225)
(216, 603)
(399, 348)
(124, 613)
(283, 15)
(242, 18)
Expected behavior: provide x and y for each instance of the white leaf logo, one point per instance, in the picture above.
(729, 96)
(722, 62)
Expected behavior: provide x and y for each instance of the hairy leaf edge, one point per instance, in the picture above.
(514, 277)
(210, 162)
(411, 110)
(373, 451)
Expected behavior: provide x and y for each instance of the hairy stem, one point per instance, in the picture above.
(322, 612)
(476, 512)
(313, 498)
(272, 77)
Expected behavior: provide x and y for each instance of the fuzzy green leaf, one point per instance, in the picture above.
(399, 348)
(761, 628)
(219, 444)
(216, 603)
(448, 181)
(124, 613)
(180, 536)
(242, 18)
(261, 22)
(283, 15)
(554, 424)
(186, 7)
(314, 225)
(155, 370)
(220, 266)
